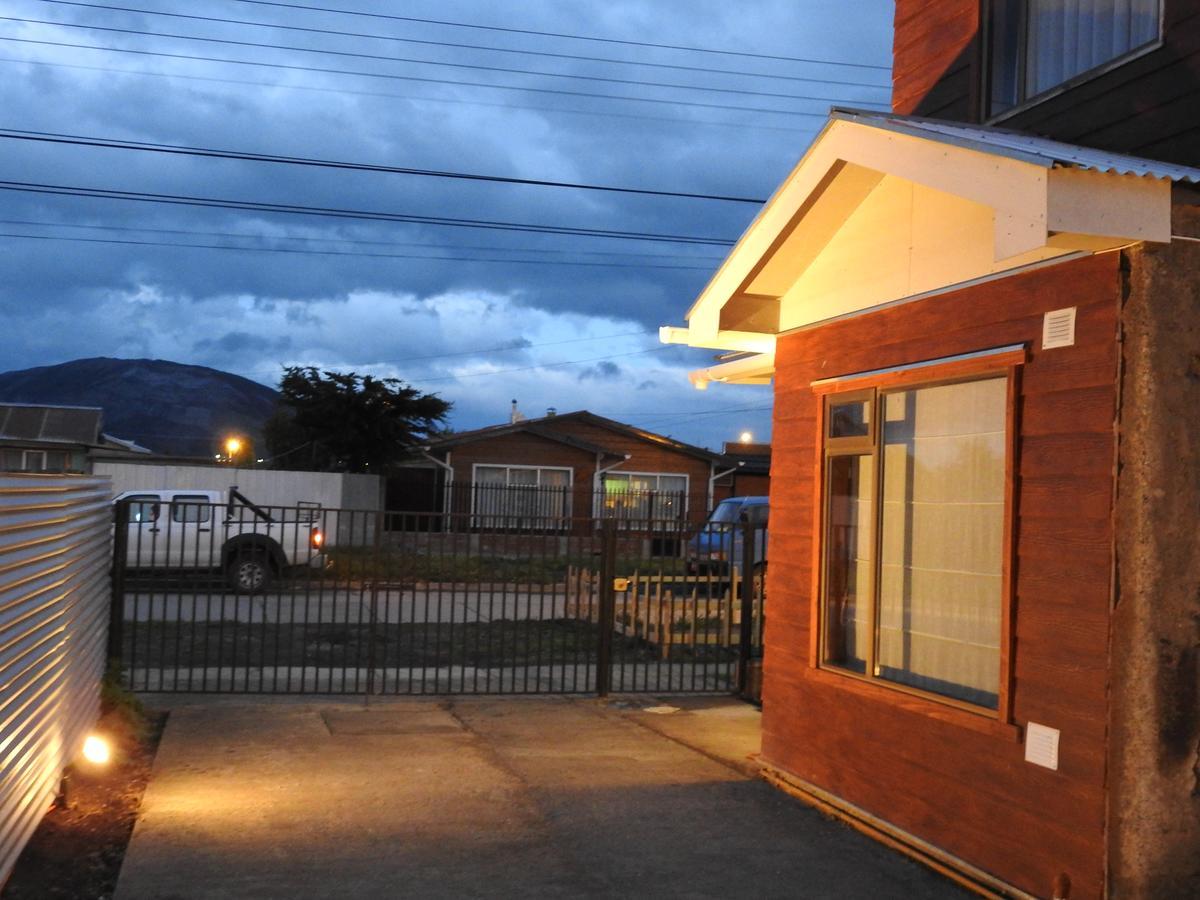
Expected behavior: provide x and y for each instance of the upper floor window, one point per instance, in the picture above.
(1037, 45)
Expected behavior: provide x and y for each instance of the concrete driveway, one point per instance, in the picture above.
(486, 797)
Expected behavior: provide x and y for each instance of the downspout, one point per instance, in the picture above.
(446, 492)
(712, 482)
(597, 482)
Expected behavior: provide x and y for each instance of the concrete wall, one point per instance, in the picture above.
(1154, 746)
(266, 487)
(54, 605)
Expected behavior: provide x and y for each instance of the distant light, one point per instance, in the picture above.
(260, 459)
(96, 750)
(233, 446)
(746, 437)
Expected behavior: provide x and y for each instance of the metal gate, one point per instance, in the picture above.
(234, 598)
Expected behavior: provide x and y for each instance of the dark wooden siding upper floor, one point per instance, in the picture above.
(967, 791)
(1149, 106)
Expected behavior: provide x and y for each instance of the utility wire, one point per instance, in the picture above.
(423, 99)
(474, 67)
(555, 34)
(309, 252)
(460, 46)
(502, 349)
(416, 78)
(241, 235)
(80, 140)
(367, 215)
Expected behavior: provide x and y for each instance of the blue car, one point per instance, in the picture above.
(720, 541)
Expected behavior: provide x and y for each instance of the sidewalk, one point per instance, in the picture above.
(485, 797)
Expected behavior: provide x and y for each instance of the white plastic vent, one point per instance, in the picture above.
(1041, 745)
(1058, 328)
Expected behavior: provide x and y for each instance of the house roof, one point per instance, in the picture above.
(78, 425)
(934, 205)
(1020, 146)
(543, 427)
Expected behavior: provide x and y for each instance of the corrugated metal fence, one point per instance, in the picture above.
(54, 602)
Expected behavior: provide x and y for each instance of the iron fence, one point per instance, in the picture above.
(215, 598)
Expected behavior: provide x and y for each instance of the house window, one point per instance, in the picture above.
(1037, 45)
(525, 497)
(34, 461)
(657, 499)
(913, 573)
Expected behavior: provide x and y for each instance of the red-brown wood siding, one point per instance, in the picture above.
(645, 456)
(965, 790)
(935, 58)
(1144, 107)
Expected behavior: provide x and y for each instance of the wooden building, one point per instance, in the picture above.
(569, 466)
(984, 631)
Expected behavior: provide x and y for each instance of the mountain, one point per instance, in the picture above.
(169, 407)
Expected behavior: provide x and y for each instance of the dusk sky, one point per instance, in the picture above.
(480, 315)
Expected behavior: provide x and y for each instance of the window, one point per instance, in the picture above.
(656, 499)
(914, 511)
(527, 497)
(1037, 45)
(185, 508)
(143, 508)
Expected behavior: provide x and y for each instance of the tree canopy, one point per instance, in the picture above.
(346, 422)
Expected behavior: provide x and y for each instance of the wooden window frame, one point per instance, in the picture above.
(1026, 102)
(1005, 362)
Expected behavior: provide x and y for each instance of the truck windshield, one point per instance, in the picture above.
(725, 512)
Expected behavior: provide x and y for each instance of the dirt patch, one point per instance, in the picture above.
(78, 848)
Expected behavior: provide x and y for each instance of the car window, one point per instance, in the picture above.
(190, 508)
(143, 508)
(726, 511)
(757, 515)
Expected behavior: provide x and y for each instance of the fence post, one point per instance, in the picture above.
(608, 603)
(116, 607)
(746, 626)
(378, 569)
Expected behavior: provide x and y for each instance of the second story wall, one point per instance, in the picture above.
(1144, 103)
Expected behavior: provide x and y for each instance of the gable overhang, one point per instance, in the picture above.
(880, 210)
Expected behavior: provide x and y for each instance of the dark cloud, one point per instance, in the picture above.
(416, 296)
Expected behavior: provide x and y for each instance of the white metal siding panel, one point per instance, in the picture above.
(54, 599)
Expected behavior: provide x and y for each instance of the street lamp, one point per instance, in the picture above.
(746, 437)
(233, 446)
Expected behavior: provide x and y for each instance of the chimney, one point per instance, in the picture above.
(551, 412)
(516, 415)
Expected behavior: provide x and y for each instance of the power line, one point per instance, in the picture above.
(394, 77)
(359, 242)
(444, 100)
(214, 153)
(603, 337)
(309, 252)
(366, 215)
(555, 34)
(460, 46)
(474, 67)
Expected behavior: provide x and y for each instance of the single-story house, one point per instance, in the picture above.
(37, 438)
(749, 471)
(566, 466)
(983, 643)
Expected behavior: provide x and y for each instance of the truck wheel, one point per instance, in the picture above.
(249, 572)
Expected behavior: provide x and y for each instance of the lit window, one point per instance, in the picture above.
(1036, 45)
(912, 588)
(658, 499)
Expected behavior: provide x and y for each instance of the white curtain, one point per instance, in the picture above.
(1069, 37)
(941, 563)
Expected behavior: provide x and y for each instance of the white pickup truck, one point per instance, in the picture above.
(189, 530)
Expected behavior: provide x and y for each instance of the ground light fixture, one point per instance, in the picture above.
(96, 750)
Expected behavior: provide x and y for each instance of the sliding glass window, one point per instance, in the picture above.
(913, 539)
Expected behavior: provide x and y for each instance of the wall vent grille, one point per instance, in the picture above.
(1058, 328)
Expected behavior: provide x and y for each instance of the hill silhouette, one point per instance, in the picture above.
(169, 407)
